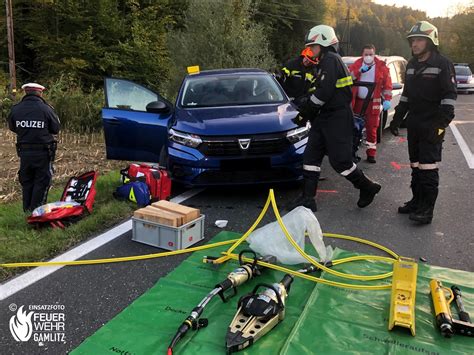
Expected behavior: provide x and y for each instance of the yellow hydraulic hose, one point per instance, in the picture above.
(271, 197)
(317, 279)
(119, 259)
(236, 242)
(314, 262)
(362, 241)
(246, 234)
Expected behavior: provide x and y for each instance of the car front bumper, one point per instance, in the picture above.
(465, 87)
(190, 167)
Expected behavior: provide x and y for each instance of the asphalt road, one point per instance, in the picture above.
(92, 295)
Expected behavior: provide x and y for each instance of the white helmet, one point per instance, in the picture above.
(323, 35)
(424, 29)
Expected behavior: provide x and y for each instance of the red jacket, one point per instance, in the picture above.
(383, 82)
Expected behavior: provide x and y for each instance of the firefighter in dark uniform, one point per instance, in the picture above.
(427, 101)
(34, 122)
(297, 76)
(328, 108)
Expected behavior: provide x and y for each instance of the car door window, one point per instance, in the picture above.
(124, 94)
(401, 68)
(393, 73)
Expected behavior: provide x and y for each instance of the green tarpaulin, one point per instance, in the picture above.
(319, 319)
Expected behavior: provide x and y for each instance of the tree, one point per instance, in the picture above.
(89, 39)
(218, 34)
(286, 22)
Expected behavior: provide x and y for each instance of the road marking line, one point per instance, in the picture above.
(463, 145)
(26, 279)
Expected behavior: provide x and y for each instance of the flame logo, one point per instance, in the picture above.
(20, 325)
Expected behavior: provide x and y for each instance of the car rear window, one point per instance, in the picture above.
(229, 90)
(463, 71)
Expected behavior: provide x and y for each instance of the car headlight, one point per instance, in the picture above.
(295, 135)
(189, 140)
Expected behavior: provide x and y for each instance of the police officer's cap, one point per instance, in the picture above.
(33, 87)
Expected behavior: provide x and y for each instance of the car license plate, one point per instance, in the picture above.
(245, 164)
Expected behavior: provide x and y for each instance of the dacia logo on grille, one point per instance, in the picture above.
(244, 143)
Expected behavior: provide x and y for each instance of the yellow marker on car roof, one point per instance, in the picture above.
(193, 69)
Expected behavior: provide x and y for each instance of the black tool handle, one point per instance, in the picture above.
(463, 315)
(248, 251)
(286, 282)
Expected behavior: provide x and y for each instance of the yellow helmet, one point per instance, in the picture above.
(424, 29)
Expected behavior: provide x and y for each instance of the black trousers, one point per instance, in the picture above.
(331, 134)
(35, 177)
(420, 148)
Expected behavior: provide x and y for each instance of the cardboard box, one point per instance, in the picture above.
(160, 216)
(188, 213)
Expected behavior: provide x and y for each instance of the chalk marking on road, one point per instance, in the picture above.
(327, 191)
(463, 145)
(26, 279)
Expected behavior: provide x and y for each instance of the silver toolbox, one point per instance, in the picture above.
(167, 237)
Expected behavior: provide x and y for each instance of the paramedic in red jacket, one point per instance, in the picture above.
(369, 68)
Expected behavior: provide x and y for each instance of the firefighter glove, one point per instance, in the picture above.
(300, 120)
(386, 105)
(446, 115)
(364, 68)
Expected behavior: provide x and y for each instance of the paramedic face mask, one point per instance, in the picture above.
(368, 59)
(368, 56)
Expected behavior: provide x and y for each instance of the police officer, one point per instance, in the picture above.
(427, 101)
(34, 122)
(328, 107)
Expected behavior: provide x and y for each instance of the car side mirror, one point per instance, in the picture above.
(157, 107)
(397, 86)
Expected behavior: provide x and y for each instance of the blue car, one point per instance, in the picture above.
(230, 126)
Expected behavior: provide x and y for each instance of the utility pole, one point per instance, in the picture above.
(347, 28)
(11, 48)
(348, 19)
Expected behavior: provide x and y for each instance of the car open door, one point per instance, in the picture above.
(135, 121)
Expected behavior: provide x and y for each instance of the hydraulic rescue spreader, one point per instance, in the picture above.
(237, 277)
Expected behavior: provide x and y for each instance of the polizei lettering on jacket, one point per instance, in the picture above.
(30, 124)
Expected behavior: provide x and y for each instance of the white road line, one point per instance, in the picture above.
(17, 284)
(463, 145)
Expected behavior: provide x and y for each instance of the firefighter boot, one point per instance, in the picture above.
(429, 181)
(368, 188)
(307, 198)
(412, 205)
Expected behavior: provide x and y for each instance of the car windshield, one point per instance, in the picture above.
(230, 90)
(463, 71)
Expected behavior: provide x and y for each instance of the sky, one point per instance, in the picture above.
(433, 8)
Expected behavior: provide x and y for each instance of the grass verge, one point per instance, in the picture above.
(19, 242)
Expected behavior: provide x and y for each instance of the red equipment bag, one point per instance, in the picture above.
(79, 189)
(157, 179)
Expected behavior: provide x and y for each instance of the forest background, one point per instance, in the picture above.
(71, 45)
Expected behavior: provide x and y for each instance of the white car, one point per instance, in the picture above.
(464, 78)
(397, 66)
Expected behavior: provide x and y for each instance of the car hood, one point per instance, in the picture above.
(235, 120)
